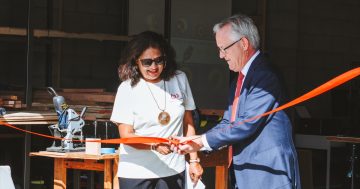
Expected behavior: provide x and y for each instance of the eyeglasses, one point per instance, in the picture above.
(223, 50)
(148, 61)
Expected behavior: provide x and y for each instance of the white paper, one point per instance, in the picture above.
(189, 184)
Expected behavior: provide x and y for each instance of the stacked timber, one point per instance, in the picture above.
(92, 112)
(26, 118)
(10, 101)
(99, 103)
(77, 96)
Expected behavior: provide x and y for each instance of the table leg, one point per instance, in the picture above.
(221, 177)
(115, 177)
(107, 174)
(27, 148)
(59, 173)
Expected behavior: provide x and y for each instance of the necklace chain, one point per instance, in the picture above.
(152, 95)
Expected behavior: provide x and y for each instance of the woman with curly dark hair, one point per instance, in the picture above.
(153, 100)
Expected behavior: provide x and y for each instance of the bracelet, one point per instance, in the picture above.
(197, 160)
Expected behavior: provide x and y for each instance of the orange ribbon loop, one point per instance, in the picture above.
(339, 80)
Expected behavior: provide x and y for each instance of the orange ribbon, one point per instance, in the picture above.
(339, 80)
(133, 140)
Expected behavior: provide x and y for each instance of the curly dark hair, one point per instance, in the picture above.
(128, 68)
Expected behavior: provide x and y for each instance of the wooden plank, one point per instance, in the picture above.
(12, 31)
(77, 98)
(87, 165)
(28, 114)
(89, 97)
(31, 122)
(24, 119)
(96, 116)
(9, 117)
(48, 154)
(28, 119)
(74, 155)
(13, 106)
(343, 139)
(78, 108)
(11, 102)
(82, 90)
(49, 117)
(9, 97)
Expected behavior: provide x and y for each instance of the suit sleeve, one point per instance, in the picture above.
(260, 95)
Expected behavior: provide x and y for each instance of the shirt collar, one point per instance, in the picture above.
(245, 69)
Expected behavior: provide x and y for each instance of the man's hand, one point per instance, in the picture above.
(187, 144)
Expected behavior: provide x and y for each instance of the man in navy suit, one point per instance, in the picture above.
(263, 151)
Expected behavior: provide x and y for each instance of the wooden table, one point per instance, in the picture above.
(63, 161)
(29, 118)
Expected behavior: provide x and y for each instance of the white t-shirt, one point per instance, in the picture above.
(136, 106)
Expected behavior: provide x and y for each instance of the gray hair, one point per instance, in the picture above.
(241, 26)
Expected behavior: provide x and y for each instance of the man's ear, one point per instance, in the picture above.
(245, 43)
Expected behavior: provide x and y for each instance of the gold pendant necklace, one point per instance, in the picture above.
(163, 117)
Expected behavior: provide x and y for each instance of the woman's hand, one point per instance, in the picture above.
(162, 148)
(195, 171)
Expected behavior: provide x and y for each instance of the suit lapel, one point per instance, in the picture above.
(258, 61)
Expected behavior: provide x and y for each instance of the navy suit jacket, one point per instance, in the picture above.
(264, 155)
